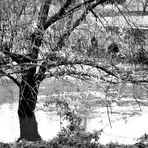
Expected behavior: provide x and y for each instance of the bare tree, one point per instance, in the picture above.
(34, 38)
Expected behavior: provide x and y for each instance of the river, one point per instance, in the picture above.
(128, 123)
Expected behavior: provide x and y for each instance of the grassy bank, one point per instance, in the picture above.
(53, 144)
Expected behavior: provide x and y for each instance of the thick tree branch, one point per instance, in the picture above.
(37, 36)
(14, 80)
(10, 77)
(51, 65)
(15, 57)
(19, 58)
(80, 62)
(63, 72)
(58, 15)
(44, 13)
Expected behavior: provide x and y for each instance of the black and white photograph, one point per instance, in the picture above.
(73, 73)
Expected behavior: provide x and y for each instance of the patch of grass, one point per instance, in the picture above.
(53, 144)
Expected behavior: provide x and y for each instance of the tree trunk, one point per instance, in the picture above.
(27, 103)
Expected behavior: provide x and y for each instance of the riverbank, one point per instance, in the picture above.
(44, 144)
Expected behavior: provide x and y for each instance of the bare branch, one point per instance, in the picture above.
(63, 72)
(80, 62)
(11, 77)
(15, 57)
(44, 13)
(37, 35)
(58, 15)
(63, 11)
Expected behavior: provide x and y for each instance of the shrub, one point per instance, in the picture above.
(76, 139)
(74, 135)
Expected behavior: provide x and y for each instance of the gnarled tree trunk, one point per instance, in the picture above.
(27, 103)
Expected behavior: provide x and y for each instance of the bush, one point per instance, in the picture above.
(73, 136)
(76, 139)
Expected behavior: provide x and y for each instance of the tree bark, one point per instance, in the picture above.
(27, 103)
